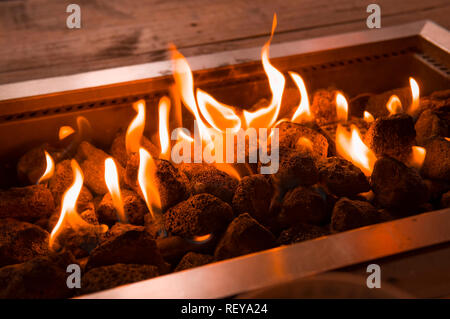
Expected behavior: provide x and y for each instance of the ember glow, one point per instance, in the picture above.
(164, 108)
(112, 182)
(394, 105)
(417, 157)
(69, 213)
(135, 130)
(65, 131)
(306, 142)
(202, 239)
(303, 112)
(341, 107)
(415, 92)
(147, 181)
(368, 117)
(49, 168)
(351, 147)
(267, 116)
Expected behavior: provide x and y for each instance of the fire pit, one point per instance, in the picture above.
(90, 177)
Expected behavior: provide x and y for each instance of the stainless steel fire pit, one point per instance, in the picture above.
(370, 61)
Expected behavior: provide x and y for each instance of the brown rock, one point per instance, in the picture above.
(107, 277)
(40, 277)
(341, 177)
(21, 241)
(199, 215)
(301, 232)
(376, 104)
(349, 214)
(437, 160)
(445, 200)
(191, 260)
(244, 236)
(28, 203)
(323, 106)
(173, 248)
(392, 136)
(397, 186)
(432, 123)
(119, 151)
(32, 164)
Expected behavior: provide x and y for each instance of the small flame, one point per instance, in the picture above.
(164, 108)
(352, 148)
(65, 131)
(218, 115)
(303, 112)
(201, 239)
(306, 142)
(341, 107)
(415, 92)
(368, 117)
(394, 105)
(146, 179)
(68, 208)
(112, 182)
(135, 130)
(266, 117)
(417, 157)
(49, 169)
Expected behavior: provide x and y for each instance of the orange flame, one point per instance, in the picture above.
(417, 157)
(135, 130)
(303, 112)
(201, 239)
(68, 208)
(341, 107)
(394, 105)
(368, 117)
(218, 115)
(266, 117)
(415, 92)
(65, 131)
(112, 182)
(351, 147)
(164, 140)
(49, 169)
(306, 142)
(146, 179)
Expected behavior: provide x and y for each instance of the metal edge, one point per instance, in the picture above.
(436, 35)
(154, 69)
(286, 263)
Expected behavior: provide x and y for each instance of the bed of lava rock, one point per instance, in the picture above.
(314, 193)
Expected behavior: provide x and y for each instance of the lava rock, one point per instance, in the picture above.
(204, 178)
(437, 160)
(253, 195)
(392, 136)
(376, 104)
(436, 188)
(397, 186)
(243, 236)
(349, 214)
(119, 152)
(21, 241)
(38, 278)
(301, 232)
(107, 277)
(173, 248)
(323, 106)
(342, 178)
(92, 162)
(134, 246)
(430, 124)
(199, 215)
(445, 200)
(28, 203)
(302, 205)
(134, 207)
(191, 260)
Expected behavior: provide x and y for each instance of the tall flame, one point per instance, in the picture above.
(303, 112)
(266, 117)
(351, 147)
(69, 210)
(146, 179)
(415, 92)
(49, 169)
(112, 182)
(368, 117)
(394, 105)
(65, 131)
(341, 107)
(218, 115)
(164, 140)
(417, 157)
(135, 130)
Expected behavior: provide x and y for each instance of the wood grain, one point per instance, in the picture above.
(35, 42)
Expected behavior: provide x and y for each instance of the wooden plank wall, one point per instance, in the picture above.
(35, 42)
